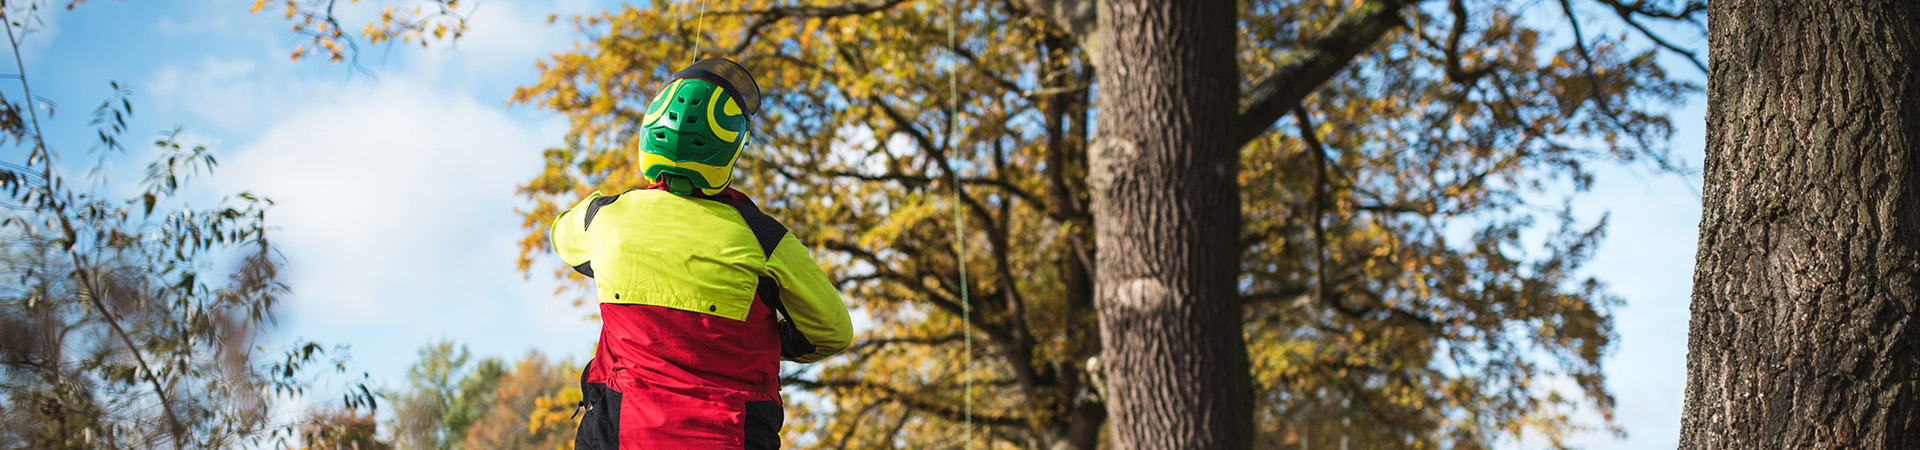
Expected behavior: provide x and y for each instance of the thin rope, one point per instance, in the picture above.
(698, 24)
(959, 223)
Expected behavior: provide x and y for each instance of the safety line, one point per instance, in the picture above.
(959, 223)
(697, 25)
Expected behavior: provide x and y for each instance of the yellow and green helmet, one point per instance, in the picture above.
(695, 127)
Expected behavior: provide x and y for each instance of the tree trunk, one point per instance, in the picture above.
(1804, 293)
(1166, 209)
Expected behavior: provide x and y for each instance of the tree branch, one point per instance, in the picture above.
(913, 340)
(1310, 135)
(1626, 13)
(815, 12)
(1078, 18)
(854, 425)
(913, 400)
(915, 181)
(1271, 97)
(973, 60)
(1283, 293)
(80, 266)
(943, 300)
(762, 18)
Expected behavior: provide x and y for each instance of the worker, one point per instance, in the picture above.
(700, 293)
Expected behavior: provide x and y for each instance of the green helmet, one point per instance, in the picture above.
(695, 127)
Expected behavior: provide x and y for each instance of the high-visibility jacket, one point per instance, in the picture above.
(690, 343)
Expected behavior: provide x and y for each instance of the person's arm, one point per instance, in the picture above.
(568, 234)
(812, 303)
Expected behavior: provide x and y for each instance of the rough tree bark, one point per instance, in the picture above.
(1166, 210)
(1804, 293)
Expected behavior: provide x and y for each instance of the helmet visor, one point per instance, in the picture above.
(730, 76)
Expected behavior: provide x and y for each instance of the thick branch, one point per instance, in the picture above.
(1271, 97)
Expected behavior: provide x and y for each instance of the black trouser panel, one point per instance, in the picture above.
(763, 425)
(600, 426)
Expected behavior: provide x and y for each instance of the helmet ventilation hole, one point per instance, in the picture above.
(673, 115)
(699, 143)
(660, 136)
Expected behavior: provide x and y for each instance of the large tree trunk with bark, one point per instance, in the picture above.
(1167, 214)
(1803, 332)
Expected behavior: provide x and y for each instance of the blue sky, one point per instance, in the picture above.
(396, 191)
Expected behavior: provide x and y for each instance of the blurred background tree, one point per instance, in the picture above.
(140, 322)
(339, 429)
(485, 405)
(442, 393)
(1408, 265)
(116, 327)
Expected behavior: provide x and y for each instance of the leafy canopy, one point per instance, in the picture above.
(1386, 280)
(126, 322)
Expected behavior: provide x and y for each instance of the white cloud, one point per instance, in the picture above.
(252, 90)
(393, 204)
(217, 19)
(395, 191)
(226, 93)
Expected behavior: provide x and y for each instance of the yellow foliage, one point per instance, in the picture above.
(525, 394)
(315, 20)
(1375, 321)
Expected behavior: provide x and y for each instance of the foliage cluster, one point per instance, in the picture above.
(1400, 160)
(317, 22)
(451, 404)
(115, 329)
(1388, 280)
(128, 317)
(119, 327)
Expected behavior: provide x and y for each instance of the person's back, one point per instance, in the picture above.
(690, 275)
